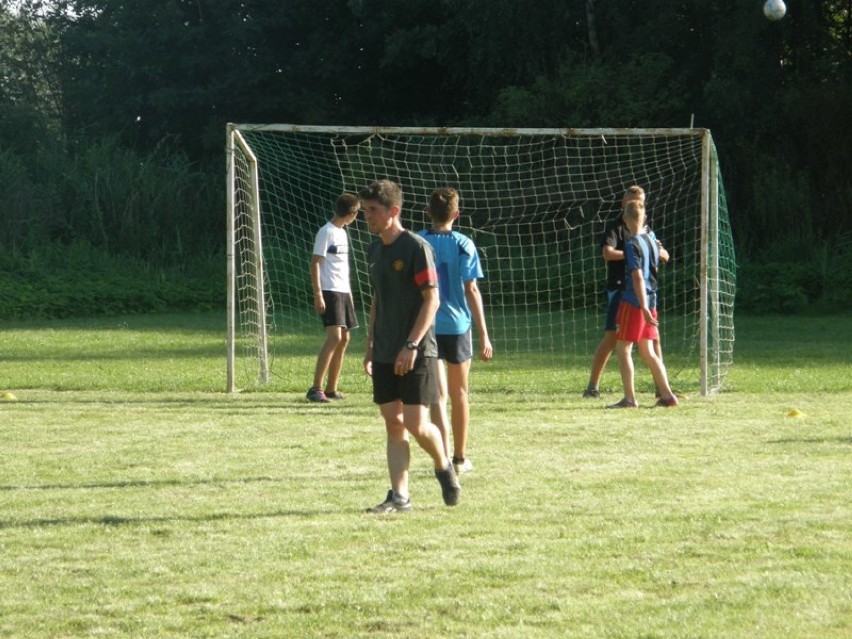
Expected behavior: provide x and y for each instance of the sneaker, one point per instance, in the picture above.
(462, 466)
(317, 395)
(450, 489)
(391, 504)
(591, 393)
(669, 402)
(624, 403)
(334, 395)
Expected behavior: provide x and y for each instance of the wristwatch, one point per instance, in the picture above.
(412, 346)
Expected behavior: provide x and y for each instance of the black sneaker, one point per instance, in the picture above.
(334, 395)
(591, 393)
(450, 488)
(391, 504)
(317, 395)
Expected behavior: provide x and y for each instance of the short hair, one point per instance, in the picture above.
(443, 205)
(347, 204)
(385, 192)
(634, 209)
(634, 192)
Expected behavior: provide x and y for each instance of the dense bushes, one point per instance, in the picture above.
(104, 230)
(796, 278)
(58, 280)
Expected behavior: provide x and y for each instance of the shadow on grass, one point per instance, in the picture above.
(141, 483)
(115, 520)
(812, 440)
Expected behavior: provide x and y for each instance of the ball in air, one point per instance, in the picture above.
(774, 9)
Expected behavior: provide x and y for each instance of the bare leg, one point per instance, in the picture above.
(438, 412)
(624, 351)
(334, 336)
(336, 363)
(458, 380)
(658, 369)
(415, 419)
(398, 450)
(601, 357)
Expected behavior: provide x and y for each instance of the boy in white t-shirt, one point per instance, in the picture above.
(333, 297)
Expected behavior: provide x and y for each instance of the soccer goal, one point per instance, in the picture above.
(534, 201)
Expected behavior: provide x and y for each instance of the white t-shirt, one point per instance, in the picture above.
(332, 243)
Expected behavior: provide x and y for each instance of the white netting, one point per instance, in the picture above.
(535, 204)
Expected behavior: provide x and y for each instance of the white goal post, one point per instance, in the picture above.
(535, 202)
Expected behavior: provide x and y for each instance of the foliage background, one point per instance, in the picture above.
(113, 112)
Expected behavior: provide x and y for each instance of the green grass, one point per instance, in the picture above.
(138, 500)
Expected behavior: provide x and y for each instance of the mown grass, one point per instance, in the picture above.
(138, 500)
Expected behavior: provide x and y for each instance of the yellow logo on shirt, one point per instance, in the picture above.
(398, 265)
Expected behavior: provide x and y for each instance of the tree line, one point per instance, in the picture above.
(113, 112)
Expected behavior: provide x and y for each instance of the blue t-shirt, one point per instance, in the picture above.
(641, 252)
(457, 262)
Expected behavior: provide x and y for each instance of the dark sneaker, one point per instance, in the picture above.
(591, 393)
(667, 402)
(391, 504)
(450, 489)
(624, 403)
(317, 395)
(334, 395)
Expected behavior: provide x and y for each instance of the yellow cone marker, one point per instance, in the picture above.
(795, 412)
(9, 397)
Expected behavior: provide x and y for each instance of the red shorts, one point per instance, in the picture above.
(630, 324)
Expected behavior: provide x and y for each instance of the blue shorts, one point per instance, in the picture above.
(613, 298)
(455, 349)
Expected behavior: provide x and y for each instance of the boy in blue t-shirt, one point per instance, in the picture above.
(457, 263)
(637, 314)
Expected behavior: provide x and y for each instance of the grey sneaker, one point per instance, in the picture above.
(667, 402)
(624, 403)
(317, 395)
(450, 488)
(462, 466)
(391, 504)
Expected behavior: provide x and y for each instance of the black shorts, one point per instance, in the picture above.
(339, 310)
(455, 349)
(418, 386)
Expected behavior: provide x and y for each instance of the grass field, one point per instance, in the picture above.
(139, 500)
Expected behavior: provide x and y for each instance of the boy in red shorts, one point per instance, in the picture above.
(637, 314)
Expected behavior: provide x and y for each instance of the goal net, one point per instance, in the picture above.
(534, 201)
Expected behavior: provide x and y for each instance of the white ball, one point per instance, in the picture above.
(774, 9)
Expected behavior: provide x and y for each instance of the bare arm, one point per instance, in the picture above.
(611, 254)
(639, 289)
(477, 309)
(425, 317)
(316, 264)
(368, 351)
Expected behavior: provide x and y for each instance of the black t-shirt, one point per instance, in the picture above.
(398, 273)
(614, 235)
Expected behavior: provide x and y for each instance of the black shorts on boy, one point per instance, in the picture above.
(418, 386)
(339, 310)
